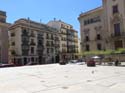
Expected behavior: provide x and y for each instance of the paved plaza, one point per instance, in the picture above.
(57, 78)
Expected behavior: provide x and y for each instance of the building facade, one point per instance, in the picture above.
(33, 43)
(91, 24)
(3, 38)
(114, 12)
(69, 39)
(103, 28)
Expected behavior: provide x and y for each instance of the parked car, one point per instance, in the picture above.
(72, 61)
(62, 62)
(6, 65)
(91, 62)
(80, 62)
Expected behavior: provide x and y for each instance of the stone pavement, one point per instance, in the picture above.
(57, 78)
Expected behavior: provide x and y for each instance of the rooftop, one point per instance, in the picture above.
(30, 23)
(91, 11)
(2, 13)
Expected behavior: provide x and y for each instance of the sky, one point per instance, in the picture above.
(46, 10)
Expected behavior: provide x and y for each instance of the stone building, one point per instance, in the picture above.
(3, 38)
(103, 28)
(33, 43)
(69, 39)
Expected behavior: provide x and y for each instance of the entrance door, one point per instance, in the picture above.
(40, 60)
(25, 61)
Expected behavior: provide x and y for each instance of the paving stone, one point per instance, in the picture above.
(57, 78)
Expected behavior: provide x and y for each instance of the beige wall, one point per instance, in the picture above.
(91, 30)
(111, 19)
(36, 28)
(107, 24)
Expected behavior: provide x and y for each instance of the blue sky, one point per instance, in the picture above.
(65, 10)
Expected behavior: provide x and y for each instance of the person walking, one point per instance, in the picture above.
(116, 62)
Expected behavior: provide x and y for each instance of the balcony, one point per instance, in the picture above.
(48, 37)
(25, 43)
(98, 39)
(64, 33)
(13, 52)
(40, 36)
(25, 47)
(86, 40)
(25, 52)
(48, 44)
(118, 35)
(40, 48)
(25, 33)
(56, 39)
(57, 45)
(32, 35)
(33, 43)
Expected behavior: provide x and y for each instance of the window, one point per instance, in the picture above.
(117, 29)
(3, 20)
(87, 38)
(32, 59)
(12, 34)
(52, 50)
(85, 22)
(99, 46)
(40, 42)
(51, 36)
(115, 9)
(47, 50)
(98, 37)
(92, 20)
(52, 43)
(32, 40)
(47, 36)
(13, 43)
(32, 34)
(87, 48)
(24, 31)
(32, 50)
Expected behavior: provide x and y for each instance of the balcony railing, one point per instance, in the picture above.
(33, 43)
(40, 37)
(32, 35)
(25, 43)
(86, 40)
(40, 48)
(25, 33)
(98, 38)
(25, 47)
(48, 44)
(121, 34)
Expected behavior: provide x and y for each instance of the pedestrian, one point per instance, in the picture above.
(116, 62)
